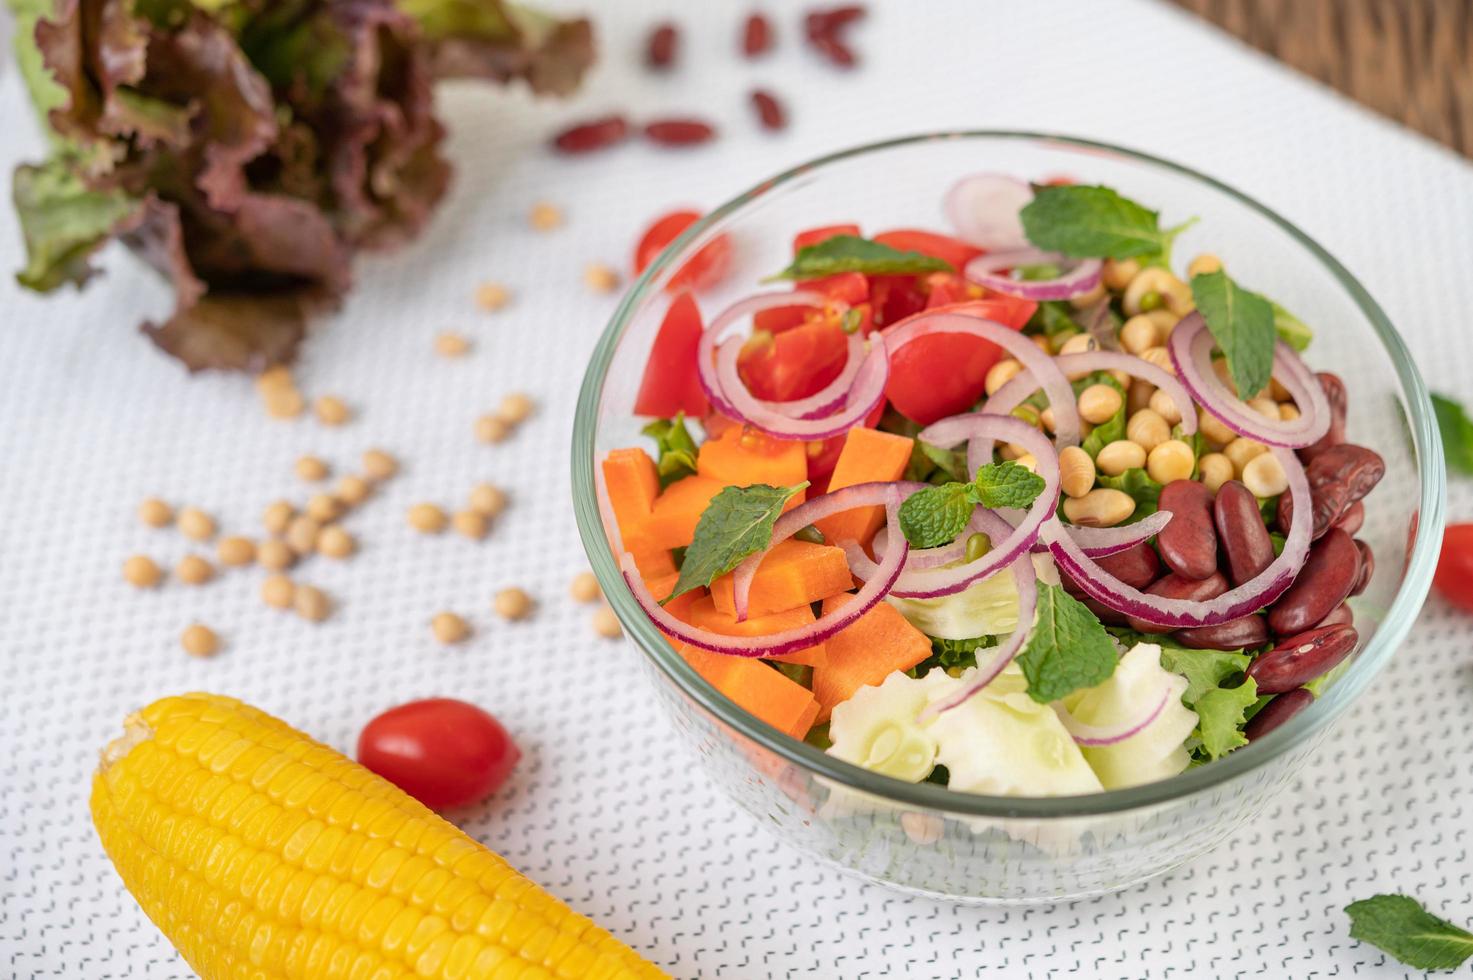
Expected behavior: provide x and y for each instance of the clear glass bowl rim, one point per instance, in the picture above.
(1393, 630)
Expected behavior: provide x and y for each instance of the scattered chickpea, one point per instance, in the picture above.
(600, 278)
(491, 430)
(1139, 334)
(1204, 264)
(1170, 461)
(1076, 471)
(1116, 457)
(1165, 406)
(301, 535)
(488, 499)
(1001, 373)
(1147, 428)
(512, 603)
(1265, 476)
(584, 587)
(324, 507)
(195, 524)
(470, 524)
(334, 542)
(449, 628)
(312, 469)
(545, 216)
(276, 378)
(311, 603)
(515, 408)
(606, 623)
(1138, 396)
(286, 404)
(1118, 273)
(1098, 403)
(142, 572)
(277, 591)
(1214, 469)
(275, 555)
(194, 570)
(491, 296)
(235, 550)
(331, 410)
(1213, 429)
(450, 344)
(199, 640)
(353, 490)
(923, 829)
(1240, 451)
(277, 516)
(427, 518)
(1101, 507)
(379, 465)
(155, 513)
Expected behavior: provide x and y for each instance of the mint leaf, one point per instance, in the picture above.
(1242, 323)
(1136, 482)
(1220, 717)
(677, 450)
(1290, 329)
(737, 523)
(1457, 433)
(1399, 926)
(1093, 222)
(934, 516)
(1205, 670)
(851, 253)
(1067, 649)
(1005, 485)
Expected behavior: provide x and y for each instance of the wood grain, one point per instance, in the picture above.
(1411, 60)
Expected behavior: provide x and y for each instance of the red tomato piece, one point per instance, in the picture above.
(1454, 575)
(796, 363)
(814, 236)
(845, 287)
(895, 298)
(702, 270)
(945, 289)
(781, 318)
(670, 383)
(943, 374)
(444, 753)
(953, 251)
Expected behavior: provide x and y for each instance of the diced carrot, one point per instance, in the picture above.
(672, 520)
(705, 615)
(794, 573)
(758, 689)
(679, 607)
(868, 454)
(866, 652)
(654, 562)
(633, 483)
(740, 458)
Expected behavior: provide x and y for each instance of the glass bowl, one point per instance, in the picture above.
(925, 838)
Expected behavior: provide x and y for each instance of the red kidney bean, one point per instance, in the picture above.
(822, 28)
(660, 53)
(1243, 633)
(1359, 468)
(756, 35)
(1188, 544)
(596, 134)
(1322, 584)
(1241, 530)
(1353, 518)
(679, 132)
(1341, 615)
(834, 49)
(769, 110)
(1173, 586)
(1327, 505)
(1136, 566)
(1366, 570)
(1276, 712)
(1334, 390)
(1300, 659)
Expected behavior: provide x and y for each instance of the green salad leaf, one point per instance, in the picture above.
(1085, 221)
(1136, 482)
(1400, 927)
(1457, 433)
(1242, 323)
(1067, 649)
(63, 221)
(737, 523)
(950, 655)
(1113, 428)
(851, 253)
(1220, 717)
(936, 515)
(1205, 670)
(677, 450)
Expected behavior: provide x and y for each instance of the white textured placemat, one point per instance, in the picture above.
(605, 811)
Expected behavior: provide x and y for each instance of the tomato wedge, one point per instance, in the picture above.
(702, 270)
(795, 363)
(953, 251)
(670, 383)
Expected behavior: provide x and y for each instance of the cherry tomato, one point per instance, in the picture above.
(702, 270)
(1454, 575)
(444, 753)
(670, 383)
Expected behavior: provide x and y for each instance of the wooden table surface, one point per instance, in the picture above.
(1411, 60)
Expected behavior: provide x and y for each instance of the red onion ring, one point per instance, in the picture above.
(983, 208)
(988, 522)
(1079, 276)
(923, 557)
(1190, 346)
(706, 349)
(1026, 579)
(1111, 734)
(865, 395)
(1101, 542)
(1249, 597)
(1051, 377)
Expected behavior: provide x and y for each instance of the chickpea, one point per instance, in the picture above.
(1220, 368)
(235, 551)
(379, 465)
(1165, 406)
(1165, 321)
(545, 216)
(1080, 343)
(1028, 461)
(450, 344)
(324, 508)
(1116, 457)
(427, 518)
(196, 525)
(1098, 403)
(1265, 476)
(449, 628)
(1147, 428)
(1213, 429)
(275, 555)
(1011, 451)
(1029, 414)
(1277, 391)
(584, 587)
(311, 469)
(311, 603)
(155, 513)
(471, 524)
(1203, 265)
(515, 408)
(142, 572)
(488, 499)
(1076, 471)
(1001, 373)
(1042, 343)
(199, 640)
(600, 278)
(1085, 300)
(1214, 469)
(491, 296)
(1266, 407)
(277, 591)
(1138, 396)
(331, 410)
(512, 604)
(1101, 507)
(491, 429)
(1172, 460)
(284, 404)
(606, 623)
(353, 490)
(1173, 293)
(302, 533)
(1122, 378)
(1160, 357)
(1139, 334)
(1046, 418)
(277, 516)
(194, 570)
(1240, 451)
(1118, 273)
(1288, 411)
(334, 542)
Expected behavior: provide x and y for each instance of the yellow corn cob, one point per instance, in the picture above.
(262, 854)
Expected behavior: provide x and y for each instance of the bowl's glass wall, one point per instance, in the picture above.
(991, 849)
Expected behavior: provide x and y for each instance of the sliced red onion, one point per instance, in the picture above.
(983, 208)
(1247, 598)
(740, 310)
(922, 557)
(984, 521)
(1026, 578)
(1101, 542)
(866, 394)
(1051, 377)
(1191, 345)
(790, 523)
(1111, 734)
(1079, 275)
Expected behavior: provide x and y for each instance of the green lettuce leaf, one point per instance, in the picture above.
(63, 222)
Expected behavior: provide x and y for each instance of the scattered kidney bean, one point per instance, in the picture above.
(1188, 544)
(1323, 583)
(1341, 615)
(834, 49)
(1174, 586)
(769, 109)
(596, 134)
(1276, 712)
(660, 53)
(1334, 390)
(756, 35)
(1300, 659)
(679, 132)
(1328, 504)
(1353, 518)
(1236, 634)
(1241, 530)
(1366, 570)
(822, 28)
(1136, 566)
